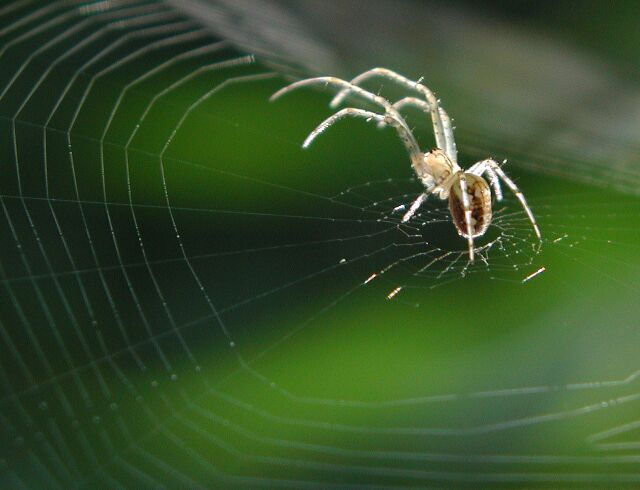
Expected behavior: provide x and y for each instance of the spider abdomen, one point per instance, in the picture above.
(480, 199)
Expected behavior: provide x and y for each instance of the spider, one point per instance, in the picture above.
(468, 193)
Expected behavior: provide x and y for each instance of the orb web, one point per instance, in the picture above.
(164, 290)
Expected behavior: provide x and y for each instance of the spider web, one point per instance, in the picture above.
(189, 300)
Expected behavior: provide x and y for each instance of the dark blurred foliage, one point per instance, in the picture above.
(607, 29)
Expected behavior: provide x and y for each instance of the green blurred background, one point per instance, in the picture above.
(182, 295)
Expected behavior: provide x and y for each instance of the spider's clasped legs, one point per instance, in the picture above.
(438, 127)
(392, 116)
(468, 193)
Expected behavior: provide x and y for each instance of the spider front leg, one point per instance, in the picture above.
(394, 117)
(349, 111)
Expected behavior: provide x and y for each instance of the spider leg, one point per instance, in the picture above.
(394, 117)
(414, 207)
(495, 182)
(514, 188)
(482, 167)
(450, 143)
(438, 127)
(349, 111)
(466, 205)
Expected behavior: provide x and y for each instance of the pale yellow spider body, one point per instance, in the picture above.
(468, 193)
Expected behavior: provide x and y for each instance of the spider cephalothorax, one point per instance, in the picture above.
(468, 193)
